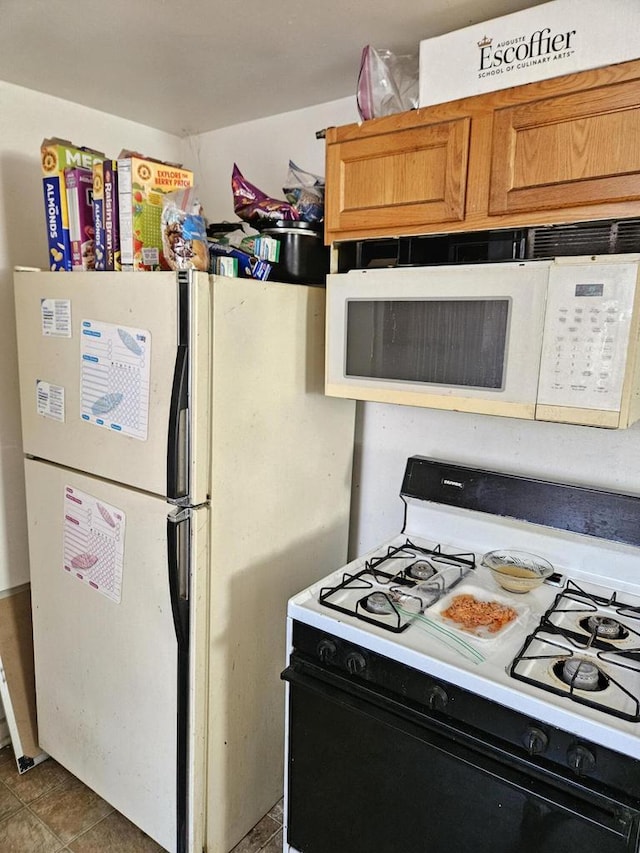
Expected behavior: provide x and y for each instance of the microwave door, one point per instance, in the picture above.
(465, 338)
(365, 325)
(455, 343)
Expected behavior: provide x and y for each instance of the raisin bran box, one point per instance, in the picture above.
(57, 155)
(142, 185)
(111, 217)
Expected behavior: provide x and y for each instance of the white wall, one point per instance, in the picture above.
(262, 150)
(28, 117)
(388, 434)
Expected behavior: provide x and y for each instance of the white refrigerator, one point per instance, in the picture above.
(185, 476)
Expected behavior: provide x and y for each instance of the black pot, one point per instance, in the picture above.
(304, 259)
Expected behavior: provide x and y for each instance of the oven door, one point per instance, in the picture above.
(368, 775)
(462, 337)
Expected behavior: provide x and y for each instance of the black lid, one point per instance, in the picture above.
(292, 224)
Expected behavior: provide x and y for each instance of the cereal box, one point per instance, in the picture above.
(111, 216)
(79, 184)
(98, 214)
(142, 185)
(56, 156)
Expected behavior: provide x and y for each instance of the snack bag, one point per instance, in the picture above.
(184, 231)
(252, 205)
(305, 191)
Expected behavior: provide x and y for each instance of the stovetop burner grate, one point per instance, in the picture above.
(590, 631)
(374, 594)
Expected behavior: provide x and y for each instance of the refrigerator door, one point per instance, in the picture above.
(113, 376)
(282, 457)
(111, 582)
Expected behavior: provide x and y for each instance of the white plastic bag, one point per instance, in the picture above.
(387, 83)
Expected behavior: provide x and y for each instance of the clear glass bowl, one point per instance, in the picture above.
(517, 571)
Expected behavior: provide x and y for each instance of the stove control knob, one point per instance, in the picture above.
(437, 699)
(536, 741)
(581, 760)
(355, 663)
(326, 650)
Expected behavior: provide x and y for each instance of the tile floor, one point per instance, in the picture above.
(47, 810)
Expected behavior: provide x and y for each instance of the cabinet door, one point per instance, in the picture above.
(567, 151)
(397, 178)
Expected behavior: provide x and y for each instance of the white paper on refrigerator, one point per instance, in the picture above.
(50, 400)
(56, 317)
(94, 542)
(114, 377)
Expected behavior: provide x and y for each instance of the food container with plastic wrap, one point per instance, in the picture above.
(517, 571)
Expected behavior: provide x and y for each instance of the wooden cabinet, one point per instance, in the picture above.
(567, 150)
(401, 177)
(561, 150)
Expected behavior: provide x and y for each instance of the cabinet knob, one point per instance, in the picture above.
(536, 741)
(581, 760)
(326, 650)
(355, 663)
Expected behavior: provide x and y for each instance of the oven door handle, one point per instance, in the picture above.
(610, 814)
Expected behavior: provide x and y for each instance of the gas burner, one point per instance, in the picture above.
(558, 664)
(604, 627)
(593, 621)
(397, 583)
(378, 603)
(581, 674)
(421, 570)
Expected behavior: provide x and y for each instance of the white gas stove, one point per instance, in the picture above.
(484, 665)
(562, 676)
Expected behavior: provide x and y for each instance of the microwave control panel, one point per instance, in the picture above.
(586, 334)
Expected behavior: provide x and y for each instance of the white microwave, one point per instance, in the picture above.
(553, 340)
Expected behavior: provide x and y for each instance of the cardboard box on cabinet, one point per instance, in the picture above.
(548, 40)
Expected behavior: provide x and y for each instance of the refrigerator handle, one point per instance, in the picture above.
(179, 560)
(177, 442)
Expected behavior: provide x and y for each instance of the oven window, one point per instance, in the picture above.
(453, 342)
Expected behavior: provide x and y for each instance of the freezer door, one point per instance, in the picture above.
(114, 376)
(111, 618)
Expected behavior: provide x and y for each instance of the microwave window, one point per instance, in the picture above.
(453, 342)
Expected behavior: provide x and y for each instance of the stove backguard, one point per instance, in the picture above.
(592, 512)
